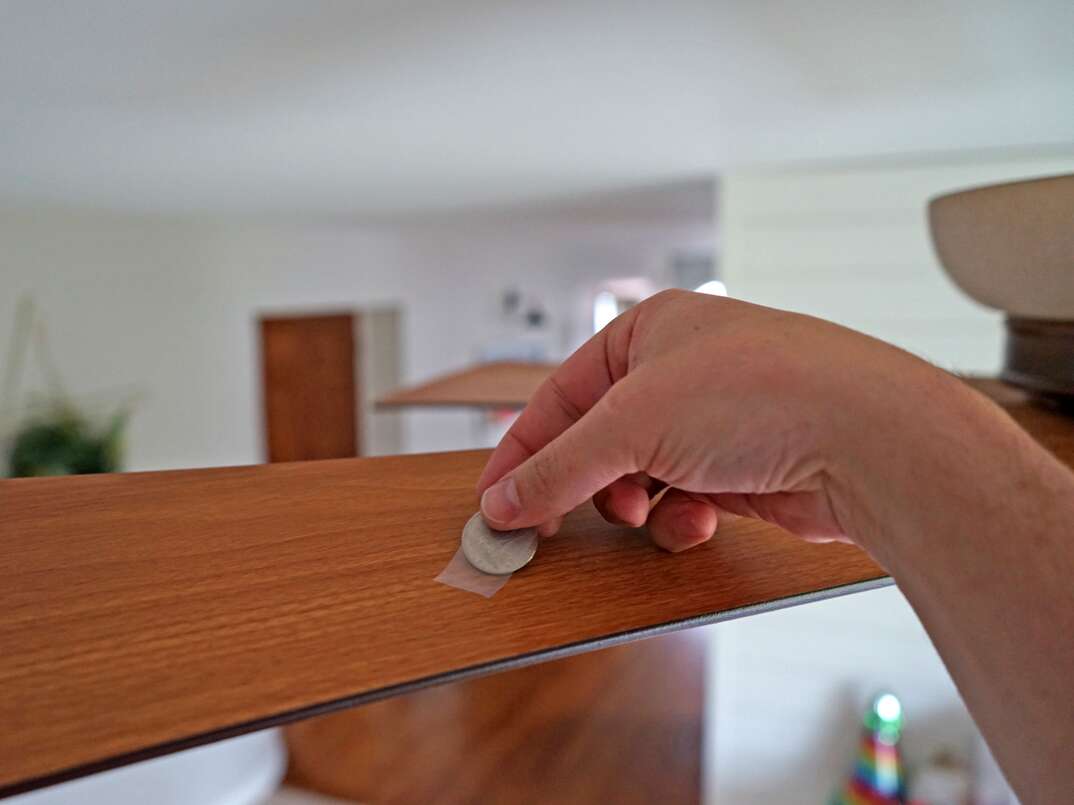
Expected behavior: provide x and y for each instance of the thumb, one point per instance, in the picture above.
(569, 470)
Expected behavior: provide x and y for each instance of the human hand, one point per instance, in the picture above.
(833, 435)
(734, 407)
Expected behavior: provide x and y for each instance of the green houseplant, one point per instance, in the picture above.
(55, 436)
(62, 441)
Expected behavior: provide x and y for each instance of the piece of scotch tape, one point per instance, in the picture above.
(460, 574)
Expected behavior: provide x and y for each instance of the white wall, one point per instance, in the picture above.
(788, 688)
(166, 306)
(847, 242)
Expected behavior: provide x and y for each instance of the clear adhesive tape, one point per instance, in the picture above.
(460, 574)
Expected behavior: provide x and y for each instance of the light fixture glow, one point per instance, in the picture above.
(888, 707)
(605, 308)
(713, 287)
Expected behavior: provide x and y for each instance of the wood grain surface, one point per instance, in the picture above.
(145, 612)
(622, 726)
(502, 384)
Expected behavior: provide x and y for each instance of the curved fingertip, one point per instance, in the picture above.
(623, 502)
(692, 527)
(549, 528)
(680, 522)
(500, 504)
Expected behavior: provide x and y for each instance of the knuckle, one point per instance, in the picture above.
(666, 295)
(622, 426)
(542, 478)
(618, 404)
(566, 405)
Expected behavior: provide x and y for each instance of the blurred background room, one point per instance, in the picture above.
(250, 230)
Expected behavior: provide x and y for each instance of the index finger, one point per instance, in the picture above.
(572, 389)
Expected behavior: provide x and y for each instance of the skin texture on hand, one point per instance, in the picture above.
(732, 406)
(711, 406)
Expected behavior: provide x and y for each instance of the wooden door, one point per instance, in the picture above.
(309, 387)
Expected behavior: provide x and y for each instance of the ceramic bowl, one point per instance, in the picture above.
(1011, 246)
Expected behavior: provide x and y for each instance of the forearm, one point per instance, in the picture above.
(974, 521)
(832, 435)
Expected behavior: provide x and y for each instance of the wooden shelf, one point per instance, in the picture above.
(489, 385)
(623, 725)
(147, 612)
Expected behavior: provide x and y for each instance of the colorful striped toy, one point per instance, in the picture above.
(878, 777)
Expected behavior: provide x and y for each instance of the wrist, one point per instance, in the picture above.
(914, 455)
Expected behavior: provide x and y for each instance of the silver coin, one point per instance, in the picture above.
(497, 552)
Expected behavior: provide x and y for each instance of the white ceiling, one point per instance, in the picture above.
(384, 107)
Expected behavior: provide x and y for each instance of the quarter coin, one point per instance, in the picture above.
(497, 552)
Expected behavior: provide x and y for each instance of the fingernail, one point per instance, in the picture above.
(500, 502)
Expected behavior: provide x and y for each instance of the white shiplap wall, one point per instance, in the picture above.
(848, 243)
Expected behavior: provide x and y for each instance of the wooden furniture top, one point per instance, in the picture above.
(147, 612)
(502, 384)
(623, 725)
